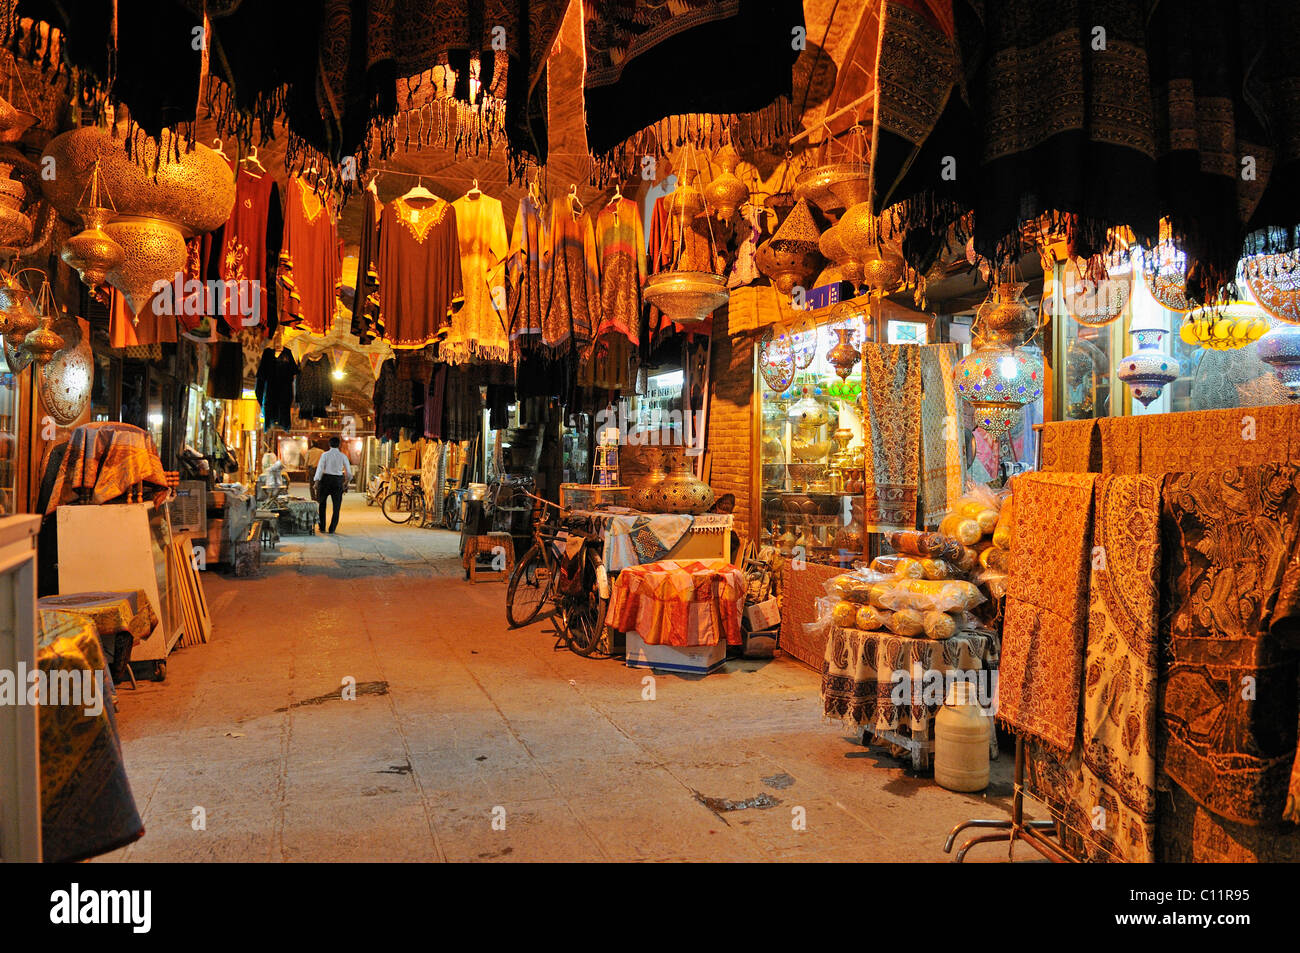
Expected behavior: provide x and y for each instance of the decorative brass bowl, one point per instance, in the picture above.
(687, 297)
(835, 186)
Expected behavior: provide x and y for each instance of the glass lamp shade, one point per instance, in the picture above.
(997, 382)
(1280, 349)
(1274, 280)
(1148, 369)
(1224, 328)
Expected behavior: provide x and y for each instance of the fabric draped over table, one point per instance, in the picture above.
(1071, 446)
(86, 803)
(1104, 791)
(1173, 443)
(1234, 587)
(891, 393)
(106, 460)
(860, 670)
(1045, 623)
(635, 539)
(679, 603)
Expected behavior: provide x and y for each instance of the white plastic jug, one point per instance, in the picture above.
(961, 741)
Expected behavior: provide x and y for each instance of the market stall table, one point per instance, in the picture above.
(86, 803)
(858, 683)
(121, 617)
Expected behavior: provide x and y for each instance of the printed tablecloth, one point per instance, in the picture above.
(86, 803)
(858, 675)
(105, 460)
(123, 618)
(679, 603)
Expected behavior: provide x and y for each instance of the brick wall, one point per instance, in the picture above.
(730, 437)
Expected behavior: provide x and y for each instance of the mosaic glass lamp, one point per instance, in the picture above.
(1148, 369)
(997, 382)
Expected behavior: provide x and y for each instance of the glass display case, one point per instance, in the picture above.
(811, 454)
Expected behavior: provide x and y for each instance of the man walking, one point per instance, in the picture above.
(333, 474)
(314, 453)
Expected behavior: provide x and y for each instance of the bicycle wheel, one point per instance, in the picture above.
(529, 588)
(583, 617)
(398, 507)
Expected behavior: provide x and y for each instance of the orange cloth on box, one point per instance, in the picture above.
(679, 603)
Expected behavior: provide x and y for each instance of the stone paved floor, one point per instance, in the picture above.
(459, 722)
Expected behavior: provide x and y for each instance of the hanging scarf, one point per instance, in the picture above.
(573, 313)
(647, 60)
(891, 391)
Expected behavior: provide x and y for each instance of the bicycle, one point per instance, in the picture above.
(405, 500)
(579, 616)
(378, 487)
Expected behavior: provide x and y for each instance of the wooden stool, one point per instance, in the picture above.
(486, 545)
(270, 533)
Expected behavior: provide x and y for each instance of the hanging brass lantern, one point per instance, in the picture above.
(845, 355)
(155, 251)
(44, 342)
(18, 313)
(686, 201)
(1094, 298)
(790, 257)
(835, 186)
(726, 193)
(92, 252)
(882, 272)
(687, 297)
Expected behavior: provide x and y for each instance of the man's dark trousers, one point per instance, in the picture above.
(330, 487)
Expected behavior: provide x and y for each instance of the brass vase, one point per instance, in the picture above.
(726, 193)
(844, 356)
(679, 491)
(92, 252)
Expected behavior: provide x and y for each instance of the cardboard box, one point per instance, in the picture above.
(764, 615)
(687, 659)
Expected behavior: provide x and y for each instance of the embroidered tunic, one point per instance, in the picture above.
(250, 245)
(574, 312)
(310, 265)
(478, 329)
(529, 287)
(420, 281)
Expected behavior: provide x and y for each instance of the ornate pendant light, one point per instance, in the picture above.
(92, 252)
(44, 342)
(1224, 327)
(1002, 375)
(18, 312)
(1280, 349)
(161, 200)
(776, 361)
(1165, 274)
(1274, 280)
(726, 193)
(1093, 296)
(791, 256)
(1148, 369)
(845, 355)
(882, 272)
